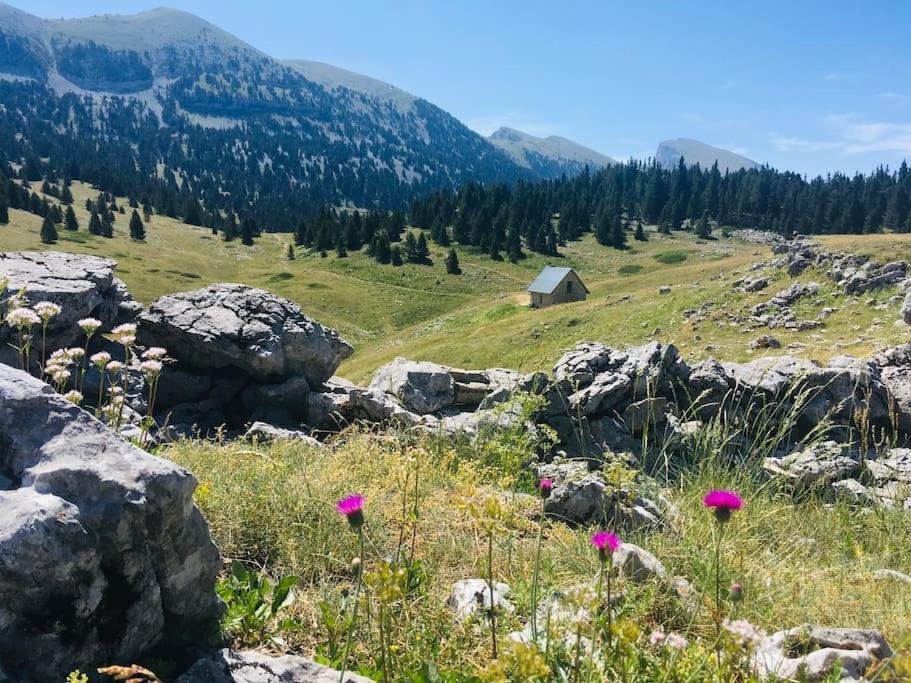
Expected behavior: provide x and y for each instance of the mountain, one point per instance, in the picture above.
(695, 152)
(167, 96)
(548, 157)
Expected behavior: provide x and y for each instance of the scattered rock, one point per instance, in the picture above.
(637, 564)
(469, 596)
(664, 289)
(811, 653)
(817, 466)
(231, 666)
(891, 575)
(420, 387)
(765, 341)
(266, 433)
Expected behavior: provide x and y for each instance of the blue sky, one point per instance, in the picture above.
(806, 86)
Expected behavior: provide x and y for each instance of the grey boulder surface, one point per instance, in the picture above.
(237, 326)
(83, 286)
(232, 666)
(103, 554)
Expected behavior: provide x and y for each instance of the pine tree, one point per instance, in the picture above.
(341, 250)
(137, 229)
(107, 226)
(603, 227)
(48, 230)
(618, 234)
(70, 219)
(66, 196)
(247, 230)
(395, 255)
(423, 251)
(452, 263)
(514, 244)
(380, 247)
(230, 231)
(4, 211)
(411, 248)
(703, 227)
(289, 252)
(640, 232)
(94, 225)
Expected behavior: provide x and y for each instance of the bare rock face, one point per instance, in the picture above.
(231, 666)
(102, 552)
(420, 387)
(236, 326)
(83, 286)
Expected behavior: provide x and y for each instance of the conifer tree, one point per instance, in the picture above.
(704, 228)
(423, 251)
(514, 244)
(4, 211)
(452, 263)
(107, 226)
(48, 230)
(247, 230)
(380, 247)
(395, 255)
(289, 252)
(411, 248)
(94, 224)
(618, 234)
(137, 229)
(640, 232)
(69, 219)
(341, 250)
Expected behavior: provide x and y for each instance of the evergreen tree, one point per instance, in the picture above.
(4, 211)
(380, 247)
(48, 230)
(452, 263)
(289, 252)
(69, 220)
(230, 232)
(137, 229)
(107, 226)
(341, 249)
(395, 255)
(514, 244)
(603, 227)
(423, 251)
(94, 224)
(66, 196)
(640, 232)
(618, 234)
(247, 230)
(703, 227)
(411, 248)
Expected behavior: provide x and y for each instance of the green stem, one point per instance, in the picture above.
(102, 373)
(383, 663)
(357, 597)
(534, 580)
(610, 615)
(493, 612)
(718, 538)
(596, 618)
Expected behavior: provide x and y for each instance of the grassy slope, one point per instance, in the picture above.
(480, 319)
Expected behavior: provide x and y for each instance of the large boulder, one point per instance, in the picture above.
(895, 370)
(83, 287)
(420, 387)
(236, 326)
(231, 666)
(819, 465)
(102, 553)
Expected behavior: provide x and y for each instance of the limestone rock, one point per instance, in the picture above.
(637, 564)
(469, 596)
(420, 387)
(231, 666)
(266, 433)
(235, 326)
(823, 649)
(83, 286)
(102, 552)
(816, 466)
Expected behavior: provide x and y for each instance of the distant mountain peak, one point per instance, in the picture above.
(695, 152)
(548, 156)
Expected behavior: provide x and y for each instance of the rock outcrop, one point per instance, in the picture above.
(83, 287)
(102, 553)
(231, 666)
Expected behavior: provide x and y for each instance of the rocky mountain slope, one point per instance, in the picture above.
(695, 152)
(250, 126)
(549, 157)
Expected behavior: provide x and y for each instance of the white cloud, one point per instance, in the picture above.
(488, 123)
(851, 134)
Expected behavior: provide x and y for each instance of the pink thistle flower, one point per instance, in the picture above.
(605, 542)
(736, 592)
(352, 508)
(723, 503)
(545, 486)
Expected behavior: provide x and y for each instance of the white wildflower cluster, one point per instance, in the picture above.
(47, 311)
(125, 334)
(89, 326)
(101, 359)
(74, 397)
(672, 640)
(22, 318)
(745, 634)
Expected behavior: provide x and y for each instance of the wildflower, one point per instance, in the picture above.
(101, 358)
(736, 592)
(723, 503)
(676, 642)
(657, 638)
(74, 397)
(545, 487)
(124, 330)
(61, 376)
(152, 368)
(115, 366)
(53, 368)
(75, 354)
(352, 508)
(89, 326)
(155, 353)
(22, 318)
(744, 633)
(606, 543)
(47, 311)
